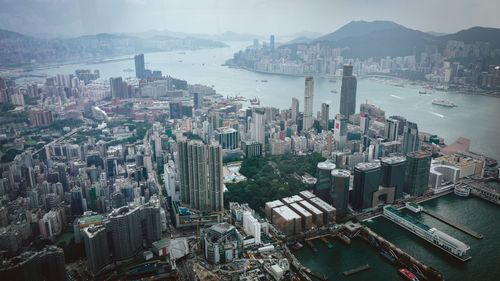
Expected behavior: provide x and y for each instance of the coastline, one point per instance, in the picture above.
(485, 93)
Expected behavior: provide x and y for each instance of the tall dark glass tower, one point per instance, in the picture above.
(367, 179)
(410, 138)
(417, 172)
(393, 169)
(140, 68)
(348, 92)
(339, 193)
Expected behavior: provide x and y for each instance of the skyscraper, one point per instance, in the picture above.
(417, 172)
(257, 130)
(324, 184)
(119, 88)
(271, 43)
(393, 170)
(391, 129)
(308, 103)
(367, 179)
(200, 170)
(339, 193)
(348, 92)
(96, 248)
(227, 137)
(325, 115)
(295, 109)
(410, 138)
(340, 131)
(140, 68)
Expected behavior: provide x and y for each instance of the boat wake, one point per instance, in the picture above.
(397, 97)
(437, 114)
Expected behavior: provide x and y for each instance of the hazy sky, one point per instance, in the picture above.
(76, 17)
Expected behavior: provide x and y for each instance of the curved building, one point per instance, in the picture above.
(339, 192)
(324, 184)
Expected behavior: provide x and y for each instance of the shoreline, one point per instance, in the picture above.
(492, 94)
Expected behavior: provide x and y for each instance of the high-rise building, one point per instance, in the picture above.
(257, 132)
(140, 67)
(308, 103)
(96, 248)
(364, 123)
(393, 170)
(175, 110)
(367, 179)
(221, 243)
(200, 171)
(227, 137)
(119, 88)
(391, 129)
(402, 123)
(410, 138)
(324, 183)
(325, 115)
(417, 172)
(339, 193)
(348, 92)
(295, 109)
(271, 43)
(340, 131)
(77, 207)
(126, 232)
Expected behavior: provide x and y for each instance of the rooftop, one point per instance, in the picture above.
(393, 159)
(341, 173)
(326, 165)
(286, 213)
(366, 166)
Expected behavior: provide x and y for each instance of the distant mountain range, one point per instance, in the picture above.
(19, 49)
(361, 39)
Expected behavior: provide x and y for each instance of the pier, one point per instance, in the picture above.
(460, 227)
(401, 258)
(357, 270)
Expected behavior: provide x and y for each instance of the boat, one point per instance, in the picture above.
(264, 81)
(445, 103)
(333, 91)
(388, 256)
(255, 101)
(441, 240)
(332, 81)
(297, 246)
(408, 275)
(128, 70)
(425, 93)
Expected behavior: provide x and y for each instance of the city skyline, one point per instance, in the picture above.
(215, 17)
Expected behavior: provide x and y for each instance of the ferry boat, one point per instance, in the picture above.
(414, 207)
(255, 101)
(424, 93)
(128, 70)
(408, 275)
(445, 103)
(332, 81)
(443, 241)
(333, 91)
(264, 81)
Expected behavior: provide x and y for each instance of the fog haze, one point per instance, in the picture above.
(77, 17)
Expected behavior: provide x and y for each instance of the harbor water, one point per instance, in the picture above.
(474, 118)
(474, 213)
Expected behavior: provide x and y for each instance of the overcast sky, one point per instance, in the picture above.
(76, 17)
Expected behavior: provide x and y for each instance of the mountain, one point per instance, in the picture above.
(475, 34)
(361, 39)
(300, 40)
(305, 33)
(358, 28)
(436, 33)
(19, 49)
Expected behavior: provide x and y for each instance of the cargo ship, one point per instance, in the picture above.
(408, 275)
(445, 103)
(443, 241)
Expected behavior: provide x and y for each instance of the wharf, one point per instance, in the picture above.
(357, 269)
(460, 227)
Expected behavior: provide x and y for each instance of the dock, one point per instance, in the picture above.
(357, 270)
(327, 242)
(316, 275)
(460, 227)
(310, 244)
